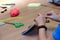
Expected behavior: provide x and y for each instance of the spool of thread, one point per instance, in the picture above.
(47, 21)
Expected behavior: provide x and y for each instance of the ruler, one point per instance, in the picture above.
(10, 18)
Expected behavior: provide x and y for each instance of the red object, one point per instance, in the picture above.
(14, 12)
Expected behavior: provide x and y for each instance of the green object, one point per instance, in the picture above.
(17, 24)
(34, 4)
(9, 4)
(10, 18)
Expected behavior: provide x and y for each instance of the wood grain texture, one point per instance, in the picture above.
(9, 32)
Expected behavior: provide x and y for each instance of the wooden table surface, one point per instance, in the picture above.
(9, 32)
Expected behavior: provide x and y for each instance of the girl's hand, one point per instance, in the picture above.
(52, 16)
(39, 20)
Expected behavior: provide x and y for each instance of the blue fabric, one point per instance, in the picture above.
(56, 33)
(57, 1)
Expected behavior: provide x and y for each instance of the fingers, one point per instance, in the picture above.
(39, 14)
(39, 18)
